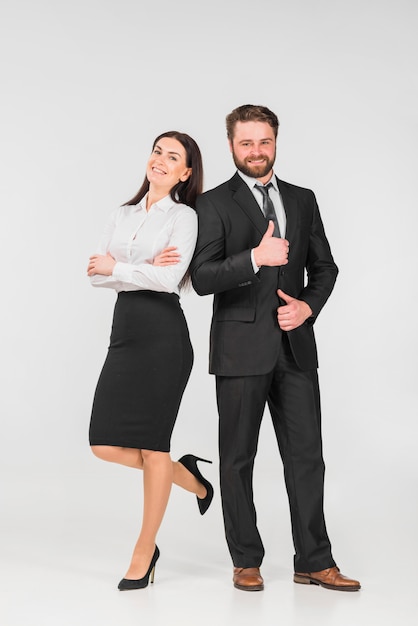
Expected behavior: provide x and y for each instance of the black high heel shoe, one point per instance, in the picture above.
(190, 462)
(140, 583)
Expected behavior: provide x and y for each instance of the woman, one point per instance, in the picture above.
(144, 255)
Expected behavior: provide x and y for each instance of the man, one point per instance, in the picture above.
(258, 235)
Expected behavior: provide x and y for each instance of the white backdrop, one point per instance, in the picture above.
(86, 86)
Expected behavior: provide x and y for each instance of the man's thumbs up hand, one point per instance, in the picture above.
(271, 251)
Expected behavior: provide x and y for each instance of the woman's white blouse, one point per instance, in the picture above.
(135, 236)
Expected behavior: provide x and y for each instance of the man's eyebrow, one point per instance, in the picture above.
(262, 139)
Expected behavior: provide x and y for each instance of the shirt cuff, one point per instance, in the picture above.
(122, 272)
(254, 264)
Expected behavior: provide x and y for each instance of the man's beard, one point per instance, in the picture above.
(254, 171)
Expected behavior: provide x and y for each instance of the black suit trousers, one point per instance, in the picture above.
(292, 396)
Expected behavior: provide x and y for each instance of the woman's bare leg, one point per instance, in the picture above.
(183, 478)
(132, 457)
(158, 478)
(159, 473)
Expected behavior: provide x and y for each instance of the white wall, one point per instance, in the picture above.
(87, 85)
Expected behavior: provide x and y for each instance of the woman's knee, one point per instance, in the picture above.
(131, 457)
(106, 453)
(154, 457)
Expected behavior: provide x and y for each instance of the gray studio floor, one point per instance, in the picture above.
(66, 541)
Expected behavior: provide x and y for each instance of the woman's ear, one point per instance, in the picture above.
(186, 175)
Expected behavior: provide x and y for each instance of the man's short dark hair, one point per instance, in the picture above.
(251, 113)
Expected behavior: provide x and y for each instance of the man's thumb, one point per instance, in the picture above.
(270, 229)
(284, 296)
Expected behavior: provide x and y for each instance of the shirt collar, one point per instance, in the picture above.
(164, 204)
(250, 181)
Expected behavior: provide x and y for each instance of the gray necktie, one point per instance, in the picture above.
(268, 207)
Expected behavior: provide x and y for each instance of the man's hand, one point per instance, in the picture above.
(293, 313)
(101, 264)
(271, 251)
(168, 256)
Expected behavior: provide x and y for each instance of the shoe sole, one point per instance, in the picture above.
(303, 580)
(249, 587)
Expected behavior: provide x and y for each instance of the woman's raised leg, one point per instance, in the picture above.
(132, 457)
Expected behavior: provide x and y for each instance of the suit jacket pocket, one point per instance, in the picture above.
(303, 345)
(235, 305)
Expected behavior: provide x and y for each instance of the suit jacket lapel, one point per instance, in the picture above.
(291, 209)
(244, 197)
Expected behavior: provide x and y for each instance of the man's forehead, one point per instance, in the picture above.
(253, 130)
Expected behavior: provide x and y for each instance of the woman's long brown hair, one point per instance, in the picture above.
(183, 192)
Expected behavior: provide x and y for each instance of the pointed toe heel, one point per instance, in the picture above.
(189, 461)
(126, 584)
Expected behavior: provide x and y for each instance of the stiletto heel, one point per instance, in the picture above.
(190, 463)
(140, 583)
(151, 578)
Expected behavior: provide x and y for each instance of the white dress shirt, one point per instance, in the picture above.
(275, 197)
(135, 236)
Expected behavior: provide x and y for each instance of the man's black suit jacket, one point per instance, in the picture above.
(245, 335)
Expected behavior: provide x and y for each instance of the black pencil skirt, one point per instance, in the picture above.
(147, 367)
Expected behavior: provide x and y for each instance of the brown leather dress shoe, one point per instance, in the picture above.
(329, 578)
(248, 579)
